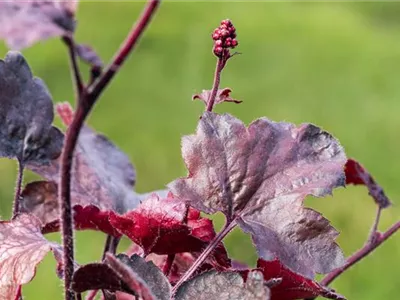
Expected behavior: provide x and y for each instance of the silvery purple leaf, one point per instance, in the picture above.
(213, 285)
(26, 114)
(259, 176)
(23, 23)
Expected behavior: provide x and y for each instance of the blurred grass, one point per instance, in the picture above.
(333, 64)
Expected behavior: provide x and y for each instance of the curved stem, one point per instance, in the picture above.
(168, 264)
(86, 100)
(127, 46)
(217, 77)
(76, 74)
(206, 252)
(111, 245)
(65, 197)
(18, 187)
(363, 252)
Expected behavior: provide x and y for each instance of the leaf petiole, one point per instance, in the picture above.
(206, 252)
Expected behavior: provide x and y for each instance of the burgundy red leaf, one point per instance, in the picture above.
(122, 273)
(292, 285)
(22, 248)
(23, 23)
(213, 285)
(356, 174)
(259, 177)
(223, 95)
(26, 114)
(167, 226)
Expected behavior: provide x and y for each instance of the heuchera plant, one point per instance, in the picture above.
(257, 175)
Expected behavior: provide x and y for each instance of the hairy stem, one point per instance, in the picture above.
(71, 139)
(79, 296)
(168, 264)
(110, 245)
(370, 246)
(206, 252)
(374, 229)
(127, 46)
(86, 100)
(76, 74)
(18, 187)
(217, 77)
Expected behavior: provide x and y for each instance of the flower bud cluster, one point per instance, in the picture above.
(224, 38)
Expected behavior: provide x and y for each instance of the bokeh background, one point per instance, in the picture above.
(333, 64)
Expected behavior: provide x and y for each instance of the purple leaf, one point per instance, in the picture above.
(22, 248)
(40, 198)
(26, 114)
(212, 285)
(88, 55)
(222, 96)
(102, 175)
(98, 276)
(23, 23)
(259, 177)
(356, 174)
(127, 274)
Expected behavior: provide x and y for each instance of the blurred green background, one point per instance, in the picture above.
(333, 64)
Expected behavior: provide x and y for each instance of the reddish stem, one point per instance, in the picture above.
(203, 256)
(217, 78)
(18, 187)
(363, 252)
(86, 100)
(168, 264)
(71, 139)
(127, 46)
(76, 74)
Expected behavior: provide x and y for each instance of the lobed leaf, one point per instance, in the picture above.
(356, 174)
(223, 95)
(167, 226)
(292, 285)
(213, 285)
(23, 23)
(22, 248)
(26, 114)
(40, 198)
(102, 175)
(259, 176)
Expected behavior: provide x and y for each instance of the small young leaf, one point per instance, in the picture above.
(222, 96)
(128, 274)
(88, 55)
(102, 174)
(212, 285)
(293, 286)
(166, 226)
(356, 174)
(40, 198)
(23, 23)
(26, 114)
(22, 248)
(259, 176)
